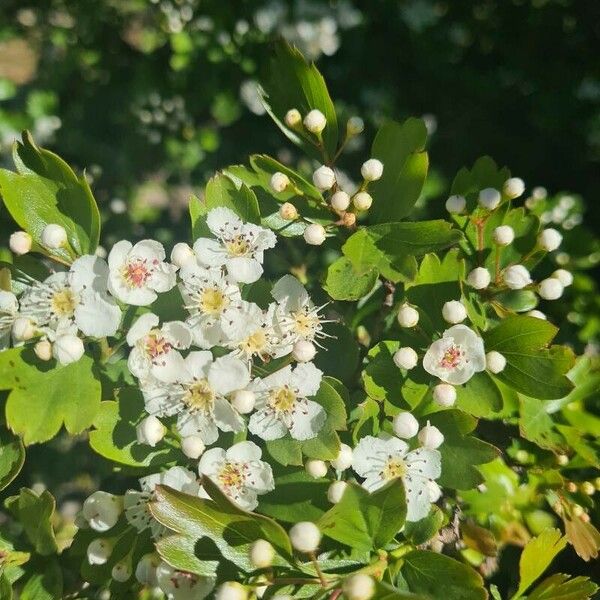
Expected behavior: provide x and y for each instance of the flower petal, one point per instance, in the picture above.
(308, 422)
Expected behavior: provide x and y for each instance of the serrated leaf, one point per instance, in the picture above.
(537, 426)
(419, 532)
(480, 396)
(562, 587)
(484, 173)
(344, 282)
(44, 585)
(12, 457)
(35, 513)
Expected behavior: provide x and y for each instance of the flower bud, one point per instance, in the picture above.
(495, 362)
(315, 121)
(479, 278)
(181, 254)
(305, 536)
(99, 551)
(564, 276)
(537, 314)
(262, 554)
(431, 437)
(192, 446)
(513, 187)
(433, 491)
(68, 349)
(23, 329)
(454, 312)
(489, 198)
(340, 201)
(279, 182)
(150, 431)
(304, 351)
(359, 587)
(43, 350)
(503, 235)
(20, 242)
(549, 239)
(372, 169)
(362, 201)
(231, 590)
(587, 488)
(243, 401)
(102, 510)
(562, 460)
(405, 358)
(54, 236)
(314, 234)
(288, 212)
(405, 426)
(407, 316)
(456, 204)
(444, 394)
(145, 570)
(550, 289)
(121, 571)
(348, 219)
(293, 118)
(324, 178)
(355, 126)
(343, 460)
(315, 468)
(516, 277)
(336, 491)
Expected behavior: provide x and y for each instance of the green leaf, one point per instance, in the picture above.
(384, 591)
(12, 457)
(366, 521)
(480, 396)
(537, 556)
(46, 190)
(45, 585)
(5, 588)
(400, 147)
(562, 587)
(439, 576)
(419, 532)
(382, 379)
(35, 515)
(341, 353)
(44, 397)
(537, 426)
(484, 173)
(344, 282)
(531, 368)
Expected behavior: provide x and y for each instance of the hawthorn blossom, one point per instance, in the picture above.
(238, 472)
(9, 307)
(380, 461)
(282, 404)
(457, 356)
(138, 273)
(199, 396)
(181, 585)
(239, 246)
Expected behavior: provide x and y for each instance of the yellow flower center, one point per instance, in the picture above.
(231, 476)
(394, 468)
(255, 343)
(213, 301)
(64, 303)
(282, 399)
(237, 246)
(156, 344)
(305, 325)
(200, 396)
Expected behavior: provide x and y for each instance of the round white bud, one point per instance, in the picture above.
(99, 551)
(150, 431)
(121, 571)
(68, 349)
(454, 311)
(456, 204)
(43, 350)
(355, 125)
(513, 187)
(193, 446)
(292, 118)
(536, 314)
(407, 316)
(516, 277)
(362, 201)
(433, 491)
(489, 198)
(262, 554)
(315, 121)
(279, 182)
(315, 468)
(23, 329)
(340, 201)
(549, 239)
(444, 394)
(20, 242)
(431, 437)
(314, 234)
(305, 536)
(503, 235)
(405, 358)
(145, 570)
(359, 587)
(335, 491)
(181, 254)
(102, 510)
(495, 362)
(372, 169)
(231, 590)
(304, 351)
(405, 425)
(54, 236)
(243, 401)
(479, 278)
(564, 276)
(550, 289)
(288, 212)
(343, 460)
(324, 178)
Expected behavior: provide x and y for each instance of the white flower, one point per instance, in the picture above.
(67, 349)
(503, 235)
(239, 246)
(479, 278)
(456, 204)
(182, 254)
(456, 357)
(324, 178)
(550, 288)
(549, 239)
(54, 236)
(489, 198)
(454, 312)
(20, 242)
(372, 169)
(199, 395)
(9, 307)
(288, 212)
(431, 437)
(405, 425)
(516, 277)
(343, 460)
(335, 491)
(362, 201)
(102, 510)
(315, 121)
(279, 181)
(359, 587)
(136, 503)
(293, 118)
(314, 234)
(150, 431)
(564, 276)
(408, 316)
(282, 404)
(138, 273)
(340, 201)
(181, 585)
(495, 362)
(379, 461)
(262, 554)
(305, 536)
(405, 358)
(444, 394)
(154, 350)
(513, 187)
(238, 472)
(315, 468)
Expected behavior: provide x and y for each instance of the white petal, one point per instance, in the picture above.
(373, 483)
(97, 315)
(308, 422)
(178, 334)
(226, 417)
(243, 452)
(244, 270)
(211, 461)
(198, 424)
(164, 278)
(150, 250)
(168, 367)
(417, 498)
(135, 296)
(289, 291)
(141, 327)
(197, 363)
(265, 426)
(222, 219)
(228, 374)
(210, 253)
(181, 479)
(307, 379)
(90, 272)
(118, 254)
(246, 499)
(424, 462)
(260, 477)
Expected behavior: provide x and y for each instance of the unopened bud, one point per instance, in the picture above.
(54, 236)
(20, 242)
(314, 234)
(362, 201)
(288, 212)
(315, 121)
(340, 201)
(279, 182)
(293, 118)
(243, 401)
(304, 351)
(43, 350)
(192, 446)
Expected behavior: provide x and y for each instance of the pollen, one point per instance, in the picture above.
(237, 246)
(212, 301)
(282, 400)
(200, 396)
(394, 468)
(64, 303)
(156, 345)
(255, 343)
(231, 476)
(136, 273)
(452, 357)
